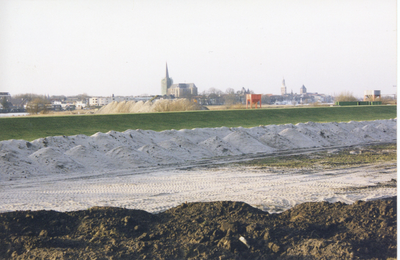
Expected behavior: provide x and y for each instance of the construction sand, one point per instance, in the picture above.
(158, 191)
(155, 171)
(158, 105)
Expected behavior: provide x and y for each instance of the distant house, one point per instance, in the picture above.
(7, 97)
(80, 104)
(5, 94)
(99, 101)
(56, 105)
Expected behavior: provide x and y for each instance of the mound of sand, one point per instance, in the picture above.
(133, 148)
(159, 105)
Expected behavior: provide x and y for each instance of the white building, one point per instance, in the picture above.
(102, 101)
(5, 94)
(80, 104)
(99, 101)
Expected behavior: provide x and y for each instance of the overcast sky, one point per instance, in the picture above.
(121, 47)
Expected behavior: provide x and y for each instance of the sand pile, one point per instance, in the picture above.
(159, 105)
(139, 148)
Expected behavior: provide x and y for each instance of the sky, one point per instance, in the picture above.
(121, 47)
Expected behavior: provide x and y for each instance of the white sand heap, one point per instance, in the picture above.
(114, 151)
(158, 105)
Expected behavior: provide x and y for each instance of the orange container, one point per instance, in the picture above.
(253, 99)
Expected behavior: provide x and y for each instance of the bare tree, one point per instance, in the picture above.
(38, 105)
(266, 99)
(230, 98)
(230, 91)
(345, 96)
(82, 96)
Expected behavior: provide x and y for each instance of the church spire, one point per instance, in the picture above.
(166, 82)
(283, 88)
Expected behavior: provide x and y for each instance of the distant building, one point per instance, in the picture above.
(102, 101)
(303, 90)
(293, 98)
(7, 97)
(243, 91)
(176, 90)
(5, 94)
(283, 88)
(371, 95)
(80, 104)
(182, 90)
(166, 82)
(99, 101)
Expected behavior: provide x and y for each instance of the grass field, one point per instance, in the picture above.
(30, 128)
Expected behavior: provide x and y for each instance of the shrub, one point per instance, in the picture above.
(38, 105)
(345, 96)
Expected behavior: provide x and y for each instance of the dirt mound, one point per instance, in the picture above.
(215, 230)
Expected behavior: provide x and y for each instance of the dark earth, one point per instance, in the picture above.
(363, 230)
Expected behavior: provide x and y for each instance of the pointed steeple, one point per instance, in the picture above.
(283, 88)
(166, 82)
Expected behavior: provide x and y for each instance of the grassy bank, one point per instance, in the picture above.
(30, 128)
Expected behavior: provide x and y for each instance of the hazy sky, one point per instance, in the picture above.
(120, 47)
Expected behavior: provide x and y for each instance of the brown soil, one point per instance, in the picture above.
(363, 230)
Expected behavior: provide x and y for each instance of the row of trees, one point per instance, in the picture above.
(348, 96)
(35, 104)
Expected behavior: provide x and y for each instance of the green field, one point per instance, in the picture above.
(30, 128)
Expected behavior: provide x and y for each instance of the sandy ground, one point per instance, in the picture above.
(268, 189)
(155, 171)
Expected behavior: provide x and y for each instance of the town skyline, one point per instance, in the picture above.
(278, 92)
(103, 48)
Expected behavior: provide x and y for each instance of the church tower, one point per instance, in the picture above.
(283, 88)
(303, 90)
(166, 82)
